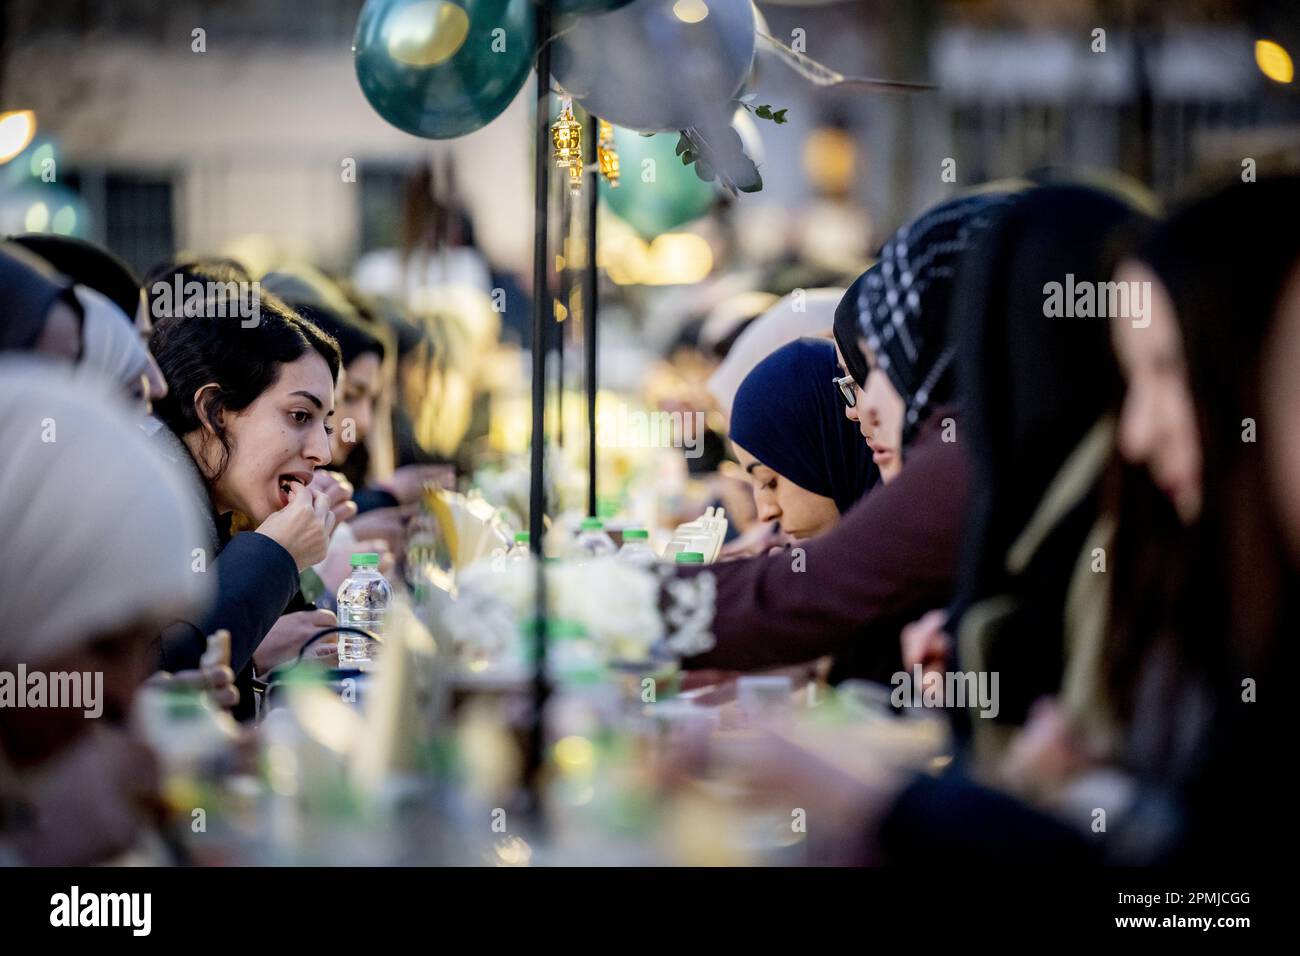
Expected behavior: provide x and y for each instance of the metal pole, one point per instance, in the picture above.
(542, 323)
(565, 282)
(589, 292)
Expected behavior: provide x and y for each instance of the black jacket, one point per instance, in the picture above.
(256, 581)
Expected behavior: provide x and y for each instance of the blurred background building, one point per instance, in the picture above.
(249, 141)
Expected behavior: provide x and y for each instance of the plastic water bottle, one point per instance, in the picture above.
(592, 541)
(363, 602)
(636, 548)
(519, 550)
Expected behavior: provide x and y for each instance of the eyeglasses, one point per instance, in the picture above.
(848, 389)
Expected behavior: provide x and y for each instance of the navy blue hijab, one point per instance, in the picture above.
(789, 415)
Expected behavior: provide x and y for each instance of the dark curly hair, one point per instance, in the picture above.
(216, 347)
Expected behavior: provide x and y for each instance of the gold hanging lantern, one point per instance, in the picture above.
(607, 154)
(566, 135)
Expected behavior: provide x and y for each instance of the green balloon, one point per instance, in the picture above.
(672, 197)
(443, 68)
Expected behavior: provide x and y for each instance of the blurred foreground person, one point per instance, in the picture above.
(1163, 748)
(1035, 392)
(115, 352)
(47, 314)
(40, 312)
(95, 268)
(91, 571)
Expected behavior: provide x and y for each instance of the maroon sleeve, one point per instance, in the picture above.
(895, 552)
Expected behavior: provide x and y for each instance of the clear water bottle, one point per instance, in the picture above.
(363, 602)
(592, 542)
(636, 548)
(519, 550)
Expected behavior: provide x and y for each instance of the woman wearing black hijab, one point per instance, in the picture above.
(807, 463)
(894, 555)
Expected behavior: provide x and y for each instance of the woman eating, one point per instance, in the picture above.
(247, 417)
(779, 610)
(806, 462)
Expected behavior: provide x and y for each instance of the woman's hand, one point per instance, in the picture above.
(283, 642)
(839, 780)
(382, 524)
(1046, 752)
(302, 527)
(87, 802)
(217, 682)
(766, 537)
(337, 491)
(407, 482)
(338, 563)
(925, 643)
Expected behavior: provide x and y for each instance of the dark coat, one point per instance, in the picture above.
(257, 579)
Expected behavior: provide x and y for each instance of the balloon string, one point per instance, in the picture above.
(823, 75)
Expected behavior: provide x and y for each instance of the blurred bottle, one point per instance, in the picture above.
(194, 740)
(636, 549)
(592, 541)
(363, 601)
(519, 550)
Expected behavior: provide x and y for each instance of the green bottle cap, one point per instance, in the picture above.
(368, 559)
(592, 524)
(521, 537)
(636, 534)
(689, 557)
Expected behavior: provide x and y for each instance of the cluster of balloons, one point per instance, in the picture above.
(443, 68)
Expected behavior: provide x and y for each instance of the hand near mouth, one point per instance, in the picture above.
(337, 491)
(303, 526)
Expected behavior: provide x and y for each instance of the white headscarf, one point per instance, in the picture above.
(95, 527)
(113, 347)
(804, 312)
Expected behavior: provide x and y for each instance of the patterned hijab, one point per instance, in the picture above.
(900, 305)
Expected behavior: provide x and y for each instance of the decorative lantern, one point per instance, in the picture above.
(566, 135)
(607, 154)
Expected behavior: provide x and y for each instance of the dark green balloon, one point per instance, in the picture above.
(676, 195)
(443, 68)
